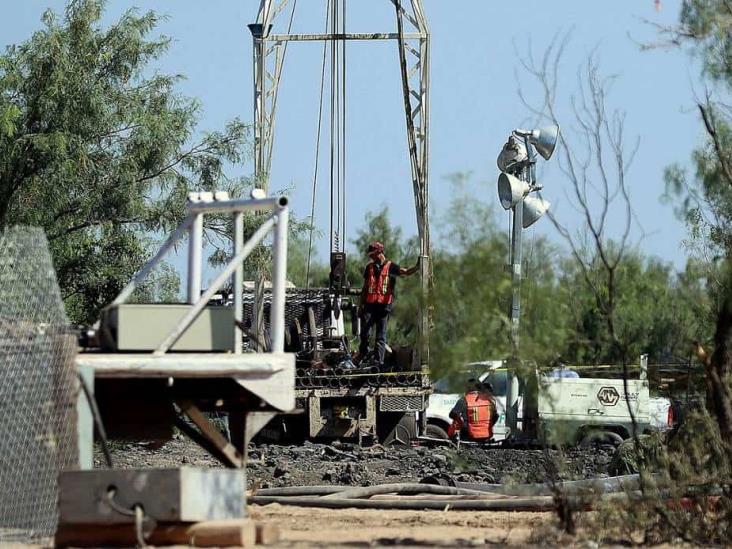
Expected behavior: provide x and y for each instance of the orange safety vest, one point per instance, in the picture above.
(379, 289)
(479, 415)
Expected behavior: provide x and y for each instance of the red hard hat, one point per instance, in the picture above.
(376, 246)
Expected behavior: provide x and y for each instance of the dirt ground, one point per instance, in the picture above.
(347, 464)
(303, 527)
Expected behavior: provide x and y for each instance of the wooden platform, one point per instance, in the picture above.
(142, 395)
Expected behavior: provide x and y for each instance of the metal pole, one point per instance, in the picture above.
(515, 312)
(238, 281)
(199, 305)
(195, 247)
(150, 265)
(516, 257)
(279, 273)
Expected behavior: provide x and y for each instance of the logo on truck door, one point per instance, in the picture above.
(608, 396)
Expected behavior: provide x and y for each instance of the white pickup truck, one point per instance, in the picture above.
(570, 410)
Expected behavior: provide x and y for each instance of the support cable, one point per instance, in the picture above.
(337, 114)
(317, 154)
(343, 124)
(333, 53)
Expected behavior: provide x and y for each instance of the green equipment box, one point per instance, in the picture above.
(143, 327)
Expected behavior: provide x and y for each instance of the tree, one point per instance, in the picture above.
(595, 158)
(705, 30)
(100, 150)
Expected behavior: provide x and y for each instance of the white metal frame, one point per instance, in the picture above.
(413, 37)
(198, 205)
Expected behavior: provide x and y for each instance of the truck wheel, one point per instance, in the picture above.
(396, 428)
(435, 431)
(595, 438)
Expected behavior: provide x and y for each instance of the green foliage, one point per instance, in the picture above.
(659, 312)
(99, 149)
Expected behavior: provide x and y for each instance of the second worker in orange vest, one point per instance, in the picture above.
(475, 413)
(377, 298)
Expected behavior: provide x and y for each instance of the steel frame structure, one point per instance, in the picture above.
(413, 39)
(197, 206)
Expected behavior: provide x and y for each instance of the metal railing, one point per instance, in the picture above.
(198, 205)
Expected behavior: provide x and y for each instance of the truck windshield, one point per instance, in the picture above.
(459, 381)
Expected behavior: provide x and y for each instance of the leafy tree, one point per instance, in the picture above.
(100, 150)
(706, 197)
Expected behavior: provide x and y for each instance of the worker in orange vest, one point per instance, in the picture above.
(476, 413)
(377, 298)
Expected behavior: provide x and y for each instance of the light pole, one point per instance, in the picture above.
(517, 162)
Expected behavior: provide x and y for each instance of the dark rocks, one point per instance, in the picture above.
(348, 464)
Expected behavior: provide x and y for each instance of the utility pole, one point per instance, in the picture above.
(517, 162)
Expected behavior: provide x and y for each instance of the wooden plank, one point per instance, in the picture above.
(222, 533)
(211, 433)
(268, 533)
(193, 365)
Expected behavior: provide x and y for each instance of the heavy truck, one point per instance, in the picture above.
(334, 399)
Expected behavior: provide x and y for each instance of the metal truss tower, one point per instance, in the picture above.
(413, 40)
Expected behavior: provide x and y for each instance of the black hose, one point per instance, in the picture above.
(333, 383)
(598, 485)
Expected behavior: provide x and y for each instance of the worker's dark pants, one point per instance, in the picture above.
(374, 317)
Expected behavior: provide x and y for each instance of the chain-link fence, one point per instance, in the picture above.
(37, 388)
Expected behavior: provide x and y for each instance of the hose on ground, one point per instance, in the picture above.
(598, 485)
(466, 503)
(404, 489)
(302, 490)
(543, 503)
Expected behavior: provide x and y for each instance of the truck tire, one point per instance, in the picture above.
(396, 428)
(435, 431)
(593, 438)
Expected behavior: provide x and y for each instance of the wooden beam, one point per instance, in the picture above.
(192, 365)
(211, 433)
(220, 533)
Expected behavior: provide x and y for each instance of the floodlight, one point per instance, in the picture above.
(512, 155)
(543, 139)
(534, 208)
(257, 193)
(511, 190)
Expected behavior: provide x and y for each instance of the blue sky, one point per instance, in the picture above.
(474, 100)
